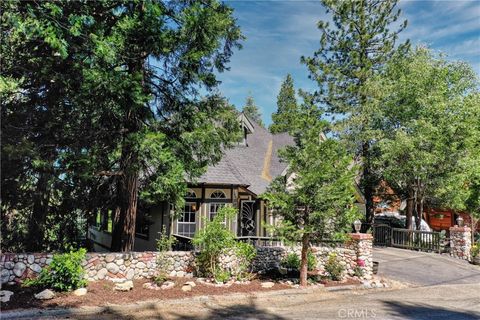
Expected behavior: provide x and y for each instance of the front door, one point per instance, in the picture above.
(247, 218)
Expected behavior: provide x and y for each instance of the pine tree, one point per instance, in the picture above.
(351, 51)
(252, 111)
(286, 105)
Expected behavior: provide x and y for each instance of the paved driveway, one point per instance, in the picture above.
(425, 269)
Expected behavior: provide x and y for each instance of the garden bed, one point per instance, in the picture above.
(101, 293)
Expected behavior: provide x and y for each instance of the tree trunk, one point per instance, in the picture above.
(367, 184)
(36, 226)
(410, 207)
(304, 260)
(123, 234)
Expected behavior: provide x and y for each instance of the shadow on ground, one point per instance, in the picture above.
(424, 312)
(152, 311)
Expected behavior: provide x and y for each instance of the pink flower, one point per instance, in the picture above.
(361, 263)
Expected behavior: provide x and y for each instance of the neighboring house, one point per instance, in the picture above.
(244, 173)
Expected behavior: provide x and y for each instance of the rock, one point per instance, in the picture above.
(148, 285)
(186, 288)
(36, 268)
(173, 273)
(282, 270)
(180, 274)
(5, 295)
(267, 284)
(102, 273)
(130, 274)
(124, 286)
(19, 269)
(191, 283)
(168, 285)
(112, 267)
(9, 265)
(140, 265)
(30, 259)
(119, 262)
(110, 257)
(4, 276)
(80, 292)
(46, 294)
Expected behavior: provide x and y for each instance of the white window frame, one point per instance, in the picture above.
(218, 206)
(188, 223)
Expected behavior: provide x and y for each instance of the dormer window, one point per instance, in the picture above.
(247, 128)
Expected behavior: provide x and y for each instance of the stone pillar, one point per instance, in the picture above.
(362, 243)
(460, 242)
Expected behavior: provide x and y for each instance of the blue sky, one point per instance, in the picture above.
(280, 32)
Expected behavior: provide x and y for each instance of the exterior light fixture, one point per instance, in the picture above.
(357, 224)
(460, 221)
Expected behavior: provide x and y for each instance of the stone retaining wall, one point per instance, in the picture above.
(135, 265)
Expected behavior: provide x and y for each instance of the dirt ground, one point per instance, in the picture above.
(101, 293)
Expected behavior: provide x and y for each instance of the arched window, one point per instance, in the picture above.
(218, 194)
(191, 194)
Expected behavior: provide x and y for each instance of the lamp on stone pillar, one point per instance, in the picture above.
(358, 225)
(460, 221)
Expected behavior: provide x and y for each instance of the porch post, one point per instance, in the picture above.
(362, 244)
(460, 242)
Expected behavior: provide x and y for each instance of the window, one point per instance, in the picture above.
(186, 222)
(214, 208)
(218, 194)
(191, 194)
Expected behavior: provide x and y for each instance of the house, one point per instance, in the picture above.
(243, 173)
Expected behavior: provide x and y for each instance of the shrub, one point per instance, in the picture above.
(164, 244)
(333, 267)
(475, 250)
(65, 272)
(292, 261)
(160, 278)
(213, 240)
(222, 275)
(311, 261)
(245, 253)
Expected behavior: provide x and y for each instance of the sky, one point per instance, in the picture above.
(278, 33)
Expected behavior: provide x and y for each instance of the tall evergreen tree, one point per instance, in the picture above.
(133, 123)
(351, 51)
(252, 111)
(286, 105)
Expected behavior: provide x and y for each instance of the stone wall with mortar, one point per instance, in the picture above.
(135, 265)
(460, 242)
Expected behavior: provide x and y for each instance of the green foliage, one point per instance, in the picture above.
(100, 112)
(430, 110)
(291, 261)
(357, 39)
(333, 267)
(252, 111)
(65, 272)
(160, 278)
(244, 253)
(165, 242)
(475, 250)
(286, 107)
(213, 240)
(358, 272)
(222, 276)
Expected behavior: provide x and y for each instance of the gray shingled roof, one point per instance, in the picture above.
(244, 165)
